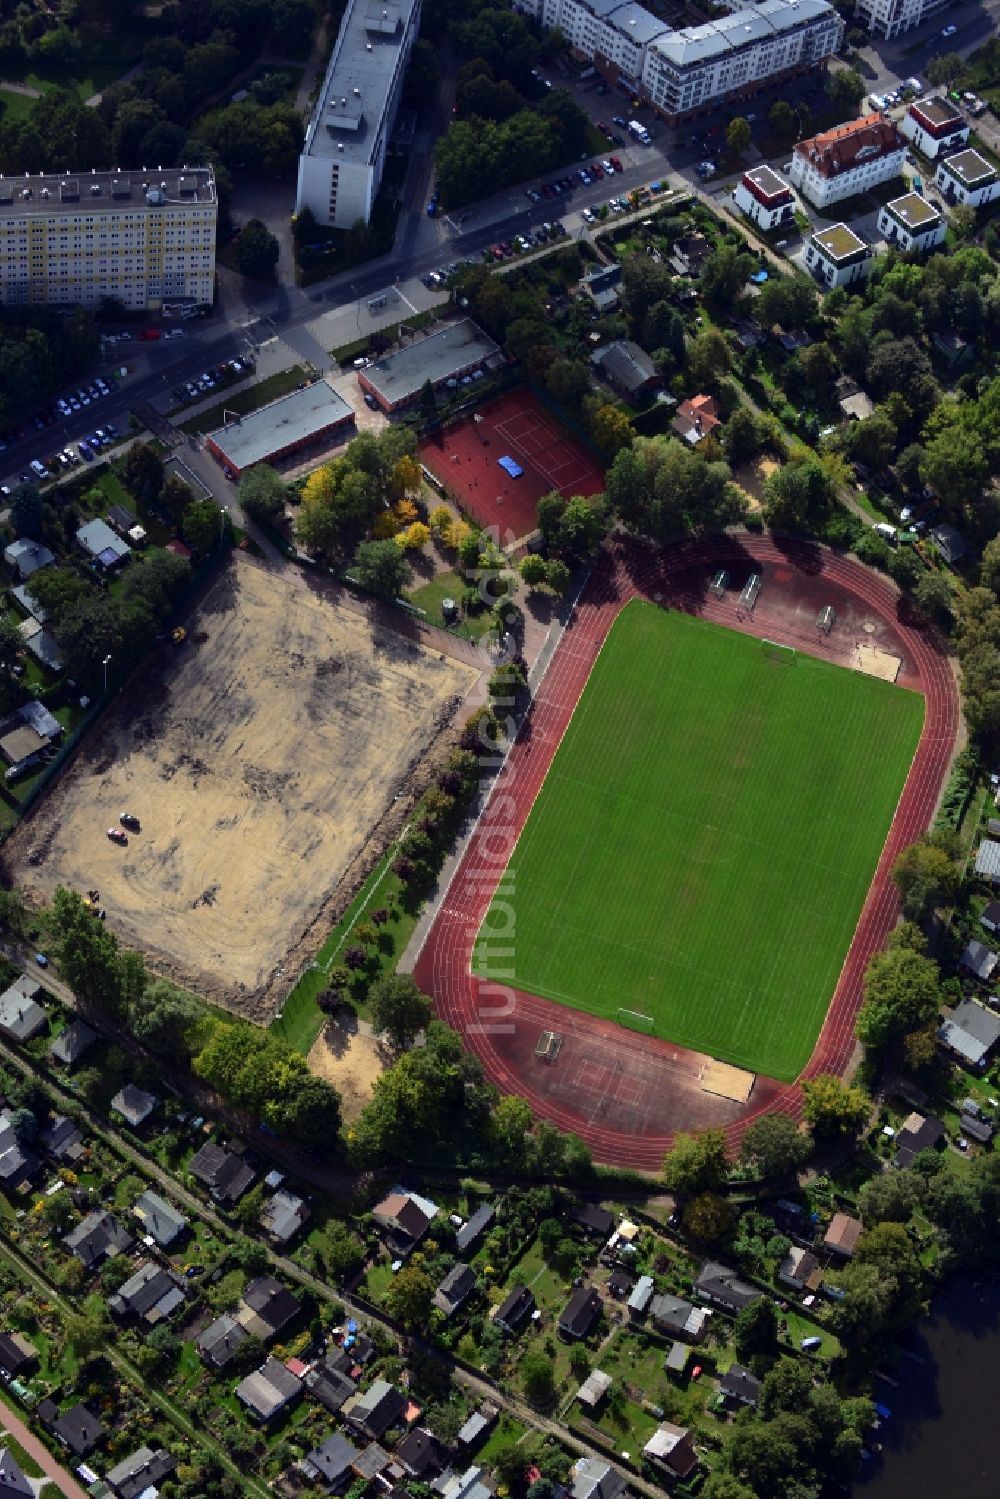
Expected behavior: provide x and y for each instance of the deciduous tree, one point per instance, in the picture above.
(696, 1162)
(399, 1009)
(382, 568)
(833, 1107)
(775, 1144)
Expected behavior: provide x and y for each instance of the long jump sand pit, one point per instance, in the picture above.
(259, 758)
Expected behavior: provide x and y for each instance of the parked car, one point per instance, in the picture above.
(616, 163)
(129, 820)
(949, 31)
(117, 836)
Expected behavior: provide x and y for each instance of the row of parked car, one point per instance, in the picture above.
(586, 175)
(86, 450)
(63, 408)
(222, 374)
(505, 249)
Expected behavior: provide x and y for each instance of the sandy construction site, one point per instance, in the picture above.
(259, 758)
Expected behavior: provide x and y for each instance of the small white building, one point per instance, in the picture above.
(98, 540)
(911, 223)
(969, 178)
(934, 125)
(847, 161)
(765, 198)
(837, 257)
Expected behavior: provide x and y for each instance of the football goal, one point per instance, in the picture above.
(781, 655)
(635, 1020)
(826, 619)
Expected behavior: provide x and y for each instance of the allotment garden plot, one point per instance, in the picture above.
(702, 845)
(259, 758)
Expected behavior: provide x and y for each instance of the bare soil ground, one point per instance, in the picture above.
(352, 1061)
(750, 478)
(260, 759)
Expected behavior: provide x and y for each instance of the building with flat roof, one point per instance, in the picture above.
(144, 237)
(846, 161)
(836, 256)
(765, 198)
(343, 155)
(458, 352)
(889, 18)
(934, 125)
(967, 177)
(911, 223)
(282, 427)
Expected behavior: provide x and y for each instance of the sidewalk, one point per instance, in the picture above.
(43, 1457)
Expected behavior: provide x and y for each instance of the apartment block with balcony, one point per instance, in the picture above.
(838, 257)
(853, 158)
(143, 238)
(911, 223)
(934, 125)
(735, 57)
(681, 72)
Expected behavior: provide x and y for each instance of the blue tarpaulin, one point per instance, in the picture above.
(509, 466)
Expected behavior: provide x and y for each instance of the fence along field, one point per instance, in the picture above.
(701, 848)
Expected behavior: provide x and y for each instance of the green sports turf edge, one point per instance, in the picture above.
(705, 837)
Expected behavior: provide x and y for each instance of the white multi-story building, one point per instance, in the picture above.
(144, 238)
(891, 18)
(765, 198)
(848, 160)
(969, 178)
(911, 223)
(837, 257)
(343, 156)
(682, 72)
(934, 125)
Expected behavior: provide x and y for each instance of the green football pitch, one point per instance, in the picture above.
(702, 845)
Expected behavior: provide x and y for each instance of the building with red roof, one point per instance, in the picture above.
(848, 161)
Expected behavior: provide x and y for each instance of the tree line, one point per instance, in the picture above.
(252, 1070)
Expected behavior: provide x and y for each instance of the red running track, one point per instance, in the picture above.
(501, 1027)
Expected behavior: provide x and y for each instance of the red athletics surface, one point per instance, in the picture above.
(464, 457)
(626, 1094)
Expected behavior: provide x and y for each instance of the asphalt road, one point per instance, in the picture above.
(426, 245)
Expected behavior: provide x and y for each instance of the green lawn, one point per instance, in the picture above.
(15, 106)
(705, 837)
(429, 597)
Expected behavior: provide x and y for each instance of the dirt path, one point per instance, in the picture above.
(43, 1457)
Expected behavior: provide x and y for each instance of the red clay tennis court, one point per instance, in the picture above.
(465, 457)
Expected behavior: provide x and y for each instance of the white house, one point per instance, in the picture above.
(967, 177)
(934, 125)
(911, 223)
(837, 257)
(765, 198)
(847, 161)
